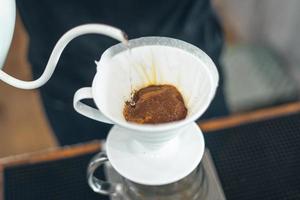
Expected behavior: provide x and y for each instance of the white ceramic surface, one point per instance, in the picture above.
(170, 164)
(7, 25)
(152, 60)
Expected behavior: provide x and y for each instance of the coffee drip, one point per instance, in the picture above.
(132, 103)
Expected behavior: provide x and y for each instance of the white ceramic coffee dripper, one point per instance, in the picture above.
(149, 154)
(145, 154)
(150, 61)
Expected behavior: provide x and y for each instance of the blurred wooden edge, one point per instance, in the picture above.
(50, 154)
(47, 155)
(244, 118)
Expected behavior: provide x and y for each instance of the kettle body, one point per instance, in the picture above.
(7, 24)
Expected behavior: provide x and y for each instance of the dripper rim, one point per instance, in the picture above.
(169, 42)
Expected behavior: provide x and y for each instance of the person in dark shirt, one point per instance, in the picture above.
(193, 21)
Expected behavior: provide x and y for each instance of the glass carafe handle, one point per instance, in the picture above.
(100, 186)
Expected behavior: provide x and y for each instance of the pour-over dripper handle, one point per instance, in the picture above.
(86, 110)
(100, 186)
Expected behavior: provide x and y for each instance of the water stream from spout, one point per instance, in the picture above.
(131, 60)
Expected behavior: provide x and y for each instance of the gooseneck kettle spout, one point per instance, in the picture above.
(58, 49)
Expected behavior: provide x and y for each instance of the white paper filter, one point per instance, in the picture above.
(152, 61)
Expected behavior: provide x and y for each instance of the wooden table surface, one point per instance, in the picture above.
(258, 115)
